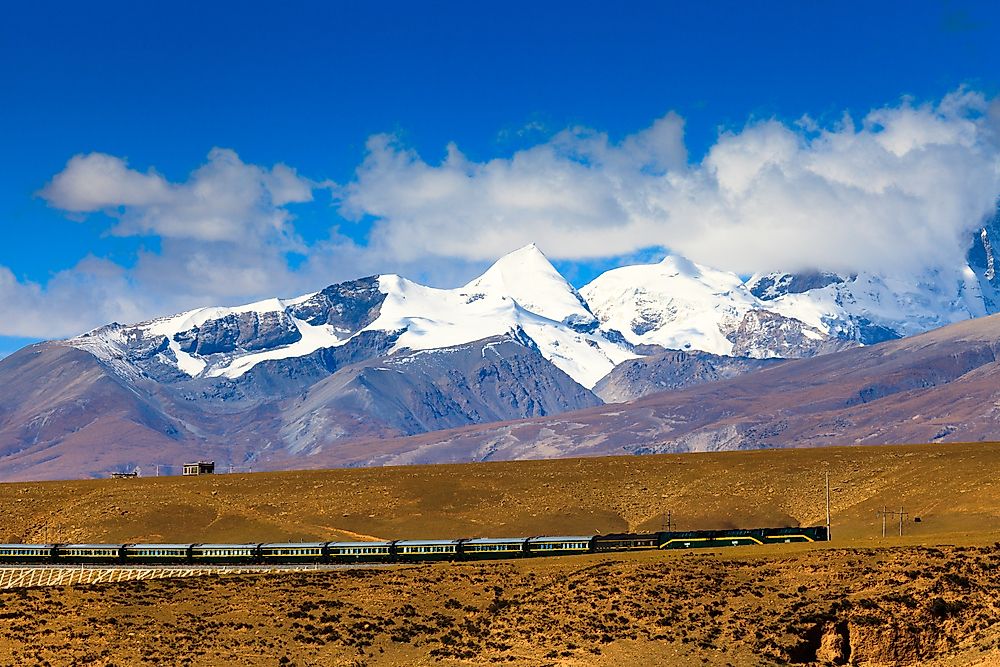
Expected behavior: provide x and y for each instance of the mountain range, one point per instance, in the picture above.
(382, 369)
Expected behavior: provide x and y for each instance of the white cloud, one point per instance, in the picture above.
(94, 291)
(223, 200)
(98, 181)
(902, 187)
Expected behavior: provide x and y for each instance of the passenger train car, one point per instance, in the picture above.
(397, 551)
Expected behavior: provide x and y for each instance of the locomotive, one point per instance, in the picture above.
(395, 551)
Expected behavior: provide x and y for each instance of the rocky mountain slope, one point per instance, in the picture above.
(935, 387)
(281, 382)
(669, 370)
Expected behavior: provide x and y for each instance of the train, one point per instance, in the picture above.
(396, 551)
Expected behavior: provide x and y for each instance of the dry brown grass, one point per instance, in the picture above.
(952, 488)
(893, 602)
(900, 606)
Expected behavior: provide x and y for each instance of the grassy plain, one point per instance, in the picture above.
(954, 489)
(930, 597)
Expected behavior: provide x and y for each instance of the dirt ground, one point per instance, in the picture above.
(930, 597)
(890, 606)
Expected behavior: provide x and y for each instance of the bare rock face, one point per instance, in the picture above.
(247, 332)
(984, 260)
(348, 306)
(883, 644)
(413, 392)
(774, 285)
(669, 370)
(762, 334)
(835, 646)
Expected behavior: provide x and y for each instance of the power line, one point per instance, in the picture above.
(886, 512)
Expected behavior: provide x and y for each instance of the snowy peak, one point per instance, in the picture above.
(675, 303)
(681, 305)
(528, 277)
(522, 294)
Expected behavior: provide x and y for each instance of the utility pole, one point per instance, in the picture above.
(884, 512)
(828, 538)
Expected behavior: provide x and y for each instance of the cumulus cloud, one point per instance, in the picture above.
(98, 181)
(74, 300)
(223, 236)
(223, 200)
(903, 188)
(898, 188)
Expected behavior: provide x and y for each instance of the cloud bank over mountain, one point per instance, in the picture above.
(897, 189)
(903, 187)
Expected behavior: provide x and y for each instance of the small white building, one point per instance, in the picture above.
(199, 468)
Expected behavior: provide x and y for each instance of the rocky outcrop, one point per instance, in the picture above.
(984, 258)
(246, 332)
(774, 285)
(349, 306)
(669, 370)
(762, 334)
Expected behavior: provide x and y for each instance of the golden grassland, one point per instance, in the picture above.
(930, 597)
(952, 488)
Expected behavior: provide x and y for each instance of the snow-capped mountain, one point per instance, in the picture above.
(326, 374)
(674, 304)
(678, 304)
(522, 294)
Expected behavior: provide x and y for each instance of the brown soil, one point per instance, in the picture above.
(899, 606)
(928, 598)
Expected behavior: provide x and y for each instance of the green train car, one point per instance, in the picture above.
(398, 551)
(701, 539)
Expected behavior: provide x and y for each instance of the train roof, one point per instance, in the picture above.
(495, 540)
(26, 546)
(417, 543)
(91, 546)
(359, 544)
(561, 538)
(291, 545)
(252, 545)
(154, 545)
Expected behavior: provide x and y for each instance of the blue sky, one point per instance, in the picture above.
(564, 94)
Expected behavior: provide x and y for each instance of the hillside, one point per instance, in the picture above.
(935, 387)
(900, 607)
(859, 599)
(952, 488)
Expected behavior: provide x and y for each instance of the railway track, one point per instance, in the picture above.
(19, 576)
